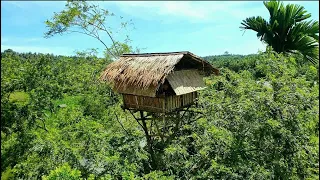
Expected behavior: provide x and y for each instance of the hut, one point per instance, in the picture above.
(158, 82)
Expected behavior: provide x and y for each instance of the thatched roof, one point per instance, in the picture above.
(185, 81)
(151, 69)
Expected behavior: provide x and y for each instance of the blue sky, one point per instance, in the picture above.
(203, 28)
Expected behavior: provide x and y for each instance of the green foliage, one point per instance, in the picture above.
(19, 98)
(7, 174)
(89, 53)
(63, 172)
(260, 121)
(269, 119)
(157, 175)
(287, 30)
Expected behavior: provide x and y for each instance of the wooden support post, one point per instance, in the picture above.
(159, 132)
(176, 128)
(149, 142)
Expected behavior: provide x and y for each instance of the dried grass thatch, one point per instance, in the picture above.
(151, 69)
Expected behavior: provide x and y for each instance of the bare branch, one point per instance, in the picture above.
(121, 123)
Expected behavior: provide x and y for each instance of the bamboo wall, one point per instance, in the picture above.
(158, 104)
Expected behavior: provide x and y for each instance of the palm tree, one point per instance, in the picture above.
(287, 30)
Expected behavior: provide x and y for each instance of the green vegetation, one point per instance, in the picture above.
(63, 172)
(19, 97)
(260, 115)
(287, 30)
(260, 122)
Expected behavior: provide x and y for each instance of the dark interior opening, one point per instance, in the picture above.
(188, 63)
(165, 89)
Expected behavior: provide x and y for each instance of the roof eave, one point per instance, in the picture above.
(197, 58)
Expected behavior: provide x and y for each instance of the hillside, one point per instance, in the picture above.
(260, 121)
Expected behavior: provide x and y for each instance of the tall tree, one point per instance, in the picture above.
(91, 20)
(287, 30)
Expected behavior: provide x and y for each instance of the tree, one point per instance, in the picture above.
(91, 20)
(92, 52)
(63, 172)
(287, 30)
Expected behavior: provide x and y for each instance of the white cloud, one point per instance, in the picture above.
(192, 11)
(183, 9)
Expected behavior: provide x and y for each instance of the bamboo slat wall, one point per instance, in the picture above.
(145, 103)
(158, 104)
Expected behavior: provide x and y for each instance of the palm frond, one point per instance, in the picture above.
(272, 7)
(287, 29)
(257, 24)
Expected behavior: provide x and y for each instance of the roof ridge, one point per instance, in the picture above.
(155, 54)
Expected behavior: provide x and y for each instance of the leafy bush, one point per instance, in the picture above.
(63, 172)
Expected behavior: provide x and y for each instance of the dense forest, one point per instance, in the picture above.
(58, 121)
(258, 119)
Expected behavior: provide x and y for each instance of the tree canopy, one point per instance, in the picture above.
(260, 121)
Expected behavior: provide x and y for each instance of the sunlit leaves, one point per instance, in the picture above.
(63, 172)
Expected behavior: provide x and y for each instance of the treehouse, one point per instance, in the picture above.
(158, 82)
